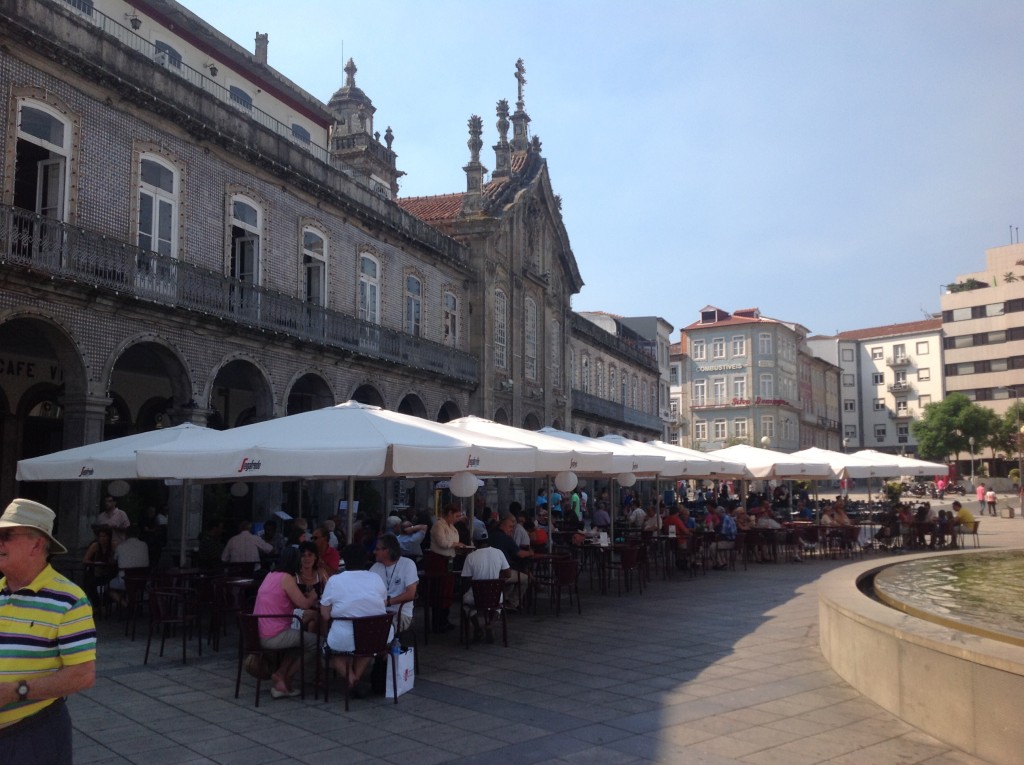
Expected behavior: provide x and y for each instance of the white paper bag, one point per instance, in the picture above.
(405, 670)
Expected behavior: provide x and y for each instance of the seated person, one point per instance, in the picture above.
(727, 537)
(652, 521)
(131, 553)
(518, 580)
(963, 521)
(538, 535)
(484, 563)
(279, 594)
(411, 538)
(399, 576)
(99, 564)
(353, 593)
(600, 518)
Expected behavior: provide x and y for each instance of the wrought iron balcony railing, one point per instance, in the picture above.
(78, 255)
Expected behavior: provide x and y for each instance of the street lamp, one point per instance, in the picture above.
(971, 442)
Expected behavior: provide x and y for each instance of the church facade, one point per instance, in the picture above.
(187, 235)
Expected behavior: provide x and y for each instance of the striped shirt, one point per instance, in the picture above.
(43, 627)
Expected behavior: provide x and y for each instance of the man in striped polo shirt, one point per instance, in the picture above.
(47, 640)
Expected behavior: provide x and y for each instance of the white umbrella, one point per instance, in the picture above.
(767, 464)
(902, 465)
(700, 465)
(555, 454)
(344, 441)
(107, 460)
(848, 465)
(623, 459)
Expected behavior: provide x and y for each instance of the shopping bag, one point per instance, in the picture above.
(405, 664)
(260, 665)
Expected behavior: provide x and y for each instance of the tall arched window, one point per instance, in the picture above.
(555, 353)
(450, 321)
(600, 378)
(42, 157)
(530, 337)
(314, 265)
(246, 224)
(413, 305)
(634, 398)
(158, 206)
(613, 385)
(369, 289)
(500, 330)
(585, 372)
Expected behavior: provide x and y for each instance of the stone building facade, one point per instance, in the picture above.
(190, 236)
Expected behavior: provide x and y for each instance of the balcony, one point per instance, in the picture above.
(901, 414)
(613, 412)
(66, 253)
(898, 361)
(900, 387)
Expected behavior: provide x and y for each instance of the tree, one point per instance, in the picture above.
(1006, 439)
(947, 426)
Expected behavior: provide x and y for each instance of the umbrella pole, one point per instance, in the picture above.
(351, 499)
(185, 504)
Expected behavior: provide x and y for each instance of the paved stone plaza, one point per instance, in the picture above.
(722, 668)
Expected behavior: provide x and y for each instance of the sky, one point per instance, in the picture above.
(831, 162)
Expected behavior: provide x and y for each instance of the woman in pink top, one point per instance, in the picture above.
(279, 597)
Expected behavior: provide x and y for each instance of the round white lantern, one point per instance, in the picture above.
(117, 488)
(626, 479)
(239, 489)
(463, 484)
(566, 481)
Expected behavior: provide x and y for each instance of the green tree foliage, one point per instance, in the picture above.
(948, 425)
(1006, 438)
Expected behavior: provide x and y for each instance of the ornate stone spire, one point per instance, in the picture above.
(520, 120)
(350, 74)
(502, 150)
(475, 171)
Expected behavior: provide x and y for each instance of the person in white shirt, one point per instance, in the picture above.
(131, 553)
(114, 518)
(245, 547)
(485, 562)
(399, 576)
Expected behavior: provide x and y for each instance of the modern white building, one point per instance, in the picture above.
(888, 375)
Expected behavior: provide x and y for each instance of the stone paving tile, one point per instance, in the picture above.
(632, 680)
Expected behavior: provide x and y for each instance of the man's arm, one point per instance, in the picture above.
(52, 685)
(409, 593)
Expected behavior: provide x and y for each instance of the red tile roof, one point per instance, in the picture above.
(889, 330)
(435, 208)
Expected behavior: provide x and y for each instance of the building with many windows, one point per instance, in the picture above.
(190, 236)
(983, 328)
(887, 376)
(743, 372)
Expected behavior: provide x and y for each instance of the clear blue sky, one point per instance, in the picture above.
(832, 163)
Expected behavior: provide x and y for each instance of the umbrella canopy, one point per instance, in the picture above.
(108, 460)
(349, 440)
(766, 464)
(677, 464)
(700, 465)
(846, 465)
(555, 454)
(902, 465)
(624, 459)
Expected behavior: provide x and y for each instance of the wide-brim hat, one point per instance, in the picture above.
(32, 515)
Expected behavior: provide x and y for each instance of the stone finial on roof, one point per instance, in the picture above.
(502, 150)
(521, 81)
(350, 74)
(475, 171)
(389, 137)
(520, 120)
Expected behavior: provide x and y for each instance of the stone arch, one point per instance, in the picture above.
(557, 424)
(501, 416)
(307, 392)
(368, 394)
(412, 404)
(449, 411)
(152, 380)
(531, 422)
(585, 432)
(240, 393)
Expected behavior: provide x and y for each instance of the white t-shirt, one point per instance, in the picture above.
(397, 577)
(485, 563)
(352, 593)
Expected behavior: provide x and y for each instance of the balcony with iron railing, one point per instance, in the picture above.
(898, 361)
(613, 412)
(901, 414)
(63, 252)
(900, 387)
